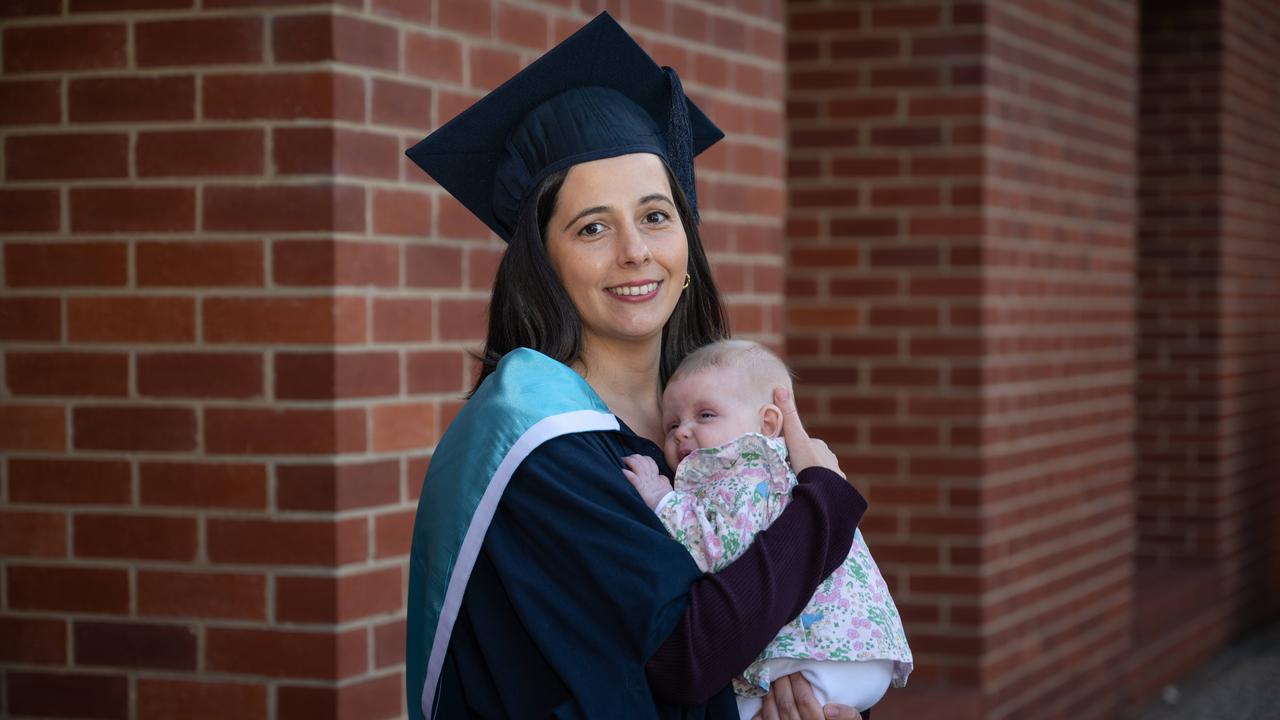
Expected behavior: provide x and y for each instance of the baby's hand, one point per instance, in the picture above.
(643, 475)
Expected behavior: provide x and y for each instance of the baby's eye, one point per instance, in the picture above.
(591, 229)
(706, 415)
(656, 216)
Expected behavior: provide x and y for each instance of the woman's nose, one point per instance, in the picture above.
(633, 250)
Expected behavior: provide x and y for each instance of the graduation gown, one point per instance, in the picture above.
(540, 582)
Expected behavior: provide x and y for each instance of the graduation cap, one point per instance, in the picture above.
(596, 95)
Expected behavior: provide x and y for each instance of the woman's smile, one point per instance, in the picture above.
(642, 291)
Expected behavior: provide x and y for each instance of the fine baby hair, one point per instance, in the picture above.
(761, 368)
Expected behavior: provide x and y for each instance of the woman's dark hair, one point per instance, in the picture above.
(530, 307)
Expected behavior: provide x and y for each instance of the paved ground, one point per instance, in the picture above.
(1243, 683)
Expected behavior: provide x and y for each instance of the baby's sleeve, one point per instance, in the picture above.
(696, 525)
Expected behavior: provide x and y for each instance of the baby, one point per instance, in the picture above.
(732, 480)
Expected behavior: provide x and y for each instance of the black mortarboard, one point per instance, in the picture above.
(596, 95)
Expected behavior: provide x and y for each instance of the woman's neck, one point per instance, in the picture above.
(625, 376)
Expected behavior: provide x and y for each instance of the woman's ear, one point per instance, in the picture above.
(770, 420)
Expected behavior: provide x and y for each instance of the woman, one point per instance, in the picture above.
(540, 585)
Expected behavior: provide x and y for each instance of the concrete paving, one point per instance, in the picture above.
(1242, 683)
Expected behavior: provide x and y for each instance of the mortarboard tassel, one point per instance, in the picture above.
(680, 142)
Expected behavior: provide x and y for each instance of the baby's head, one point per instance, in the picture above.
(721, 391)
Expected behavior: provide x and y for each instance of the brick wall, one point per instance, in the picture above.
(1208, 392)
(235, 321)
(960, 233)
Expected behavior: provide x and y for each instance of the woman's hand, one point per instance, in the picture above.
(805, 451)
(791, 698)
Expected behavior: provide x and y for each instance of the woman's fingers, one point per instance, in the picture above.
(792, 429)
(780, 689)
(841, 712)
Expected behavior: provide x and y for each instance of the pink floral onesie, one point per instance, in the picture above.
(723, 496)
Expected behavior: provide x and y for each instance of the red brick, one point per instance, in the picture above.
(286, 654)
(910, 196)
(284, 96)
(473, 17)
(322, 376)
(483, 262)
(328, 263)
(338, 600)
(64, 47)
(393, 533)
(204, 485)
(279, 542)
(352, 152)
(403, 427)
(28, 8)
(945, 226)
(67, 373)
(463, 319)
(376, 698)
(78, 6)
(69, 482)
(522, 26)
(864, 227)
(433, 58)
(170, 699)
(66, 155)
(30, 102)
(200, 153)
(32, 427)
(30, 318)
(437, 371)
(825, 20)
(68, 695)
(207, 41)
(68, 589)
(320, 38)
(403, 9)
(29, 211)
(132, 209)
(199, 264)
(33, 640)
(65, 264)
(315, 432)
(132, 99)
(131, 319)
(146, 537)
(400, 104)
(827, 317)
(401, 212)
(134, 428)
(905, 17)
(229, 596)
(333, 488)
(490, 67)
(906, 136)
(356, 4)
(401, 320)
(433, 266)
(167, 647)
(33, 534)
(388, 644)
(458, 222)
(288, 208)
(310, 320)
(200, 375)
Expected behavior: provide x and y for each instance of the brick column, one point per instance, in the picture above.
(235, 320)
(960, 233)
(1208, 388)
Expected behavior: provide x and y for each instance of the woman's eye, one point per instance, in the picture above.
(590, 229)
(655, 217)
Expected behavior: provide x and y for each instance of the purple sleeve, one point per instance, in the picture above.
(733, 614)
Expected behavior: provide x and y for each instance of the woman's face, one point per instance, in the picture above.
(616, 241)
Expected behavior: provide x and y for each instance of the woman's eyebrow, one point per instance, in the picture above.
(584, 213)
(656, 196)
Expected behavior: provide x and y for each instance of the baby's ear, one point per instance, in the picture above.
(771, 420)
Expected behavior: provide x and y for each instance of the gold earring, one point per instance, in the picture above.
(686, 283)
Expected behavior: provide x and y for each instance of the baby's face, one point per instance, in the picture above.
(706, 409)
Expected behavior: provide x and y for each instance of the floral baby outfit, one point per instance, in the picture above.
(725, 495)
